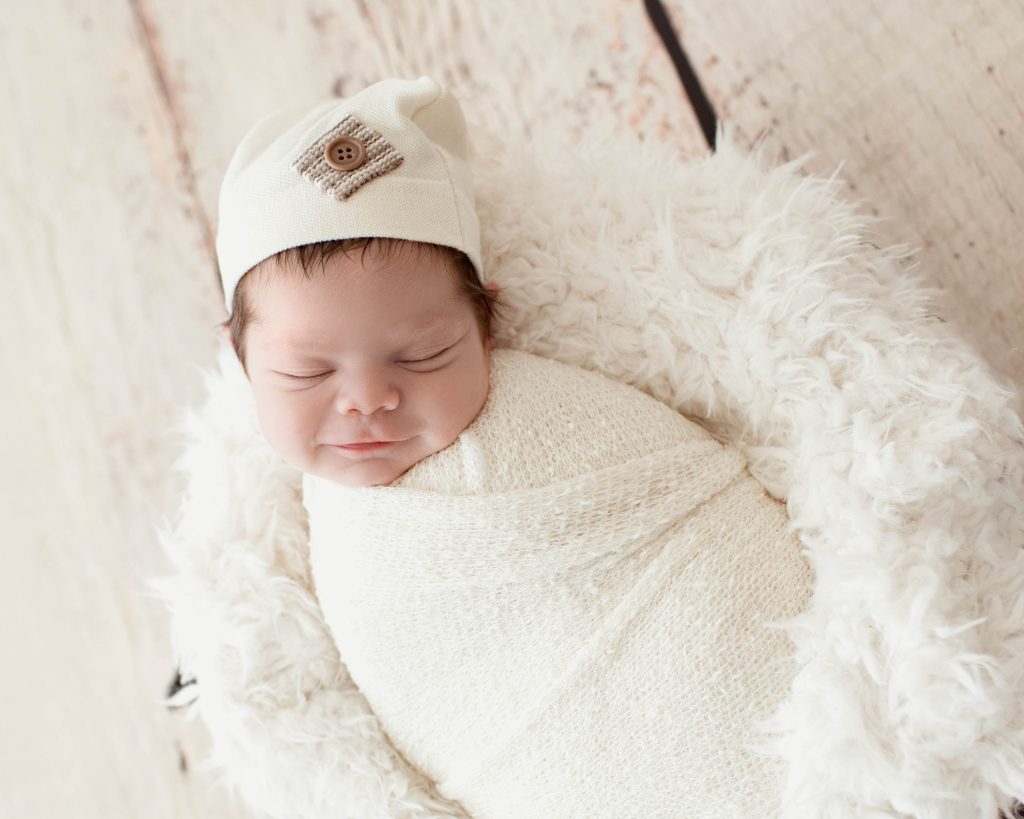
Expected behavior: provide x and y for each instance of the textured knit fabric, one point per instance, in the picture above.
(280, 191)
(562, 614)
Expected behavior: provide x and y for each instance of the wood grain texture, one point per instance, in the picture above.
(125, 116)
(603, 67)
(109, 302)
(924, 103)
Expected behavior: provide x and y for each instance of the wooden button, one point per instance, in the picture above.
(345, 153)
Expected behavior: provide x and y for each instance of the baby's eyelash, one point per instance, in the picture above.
(421, 360)
(302, 377)
(411, 361)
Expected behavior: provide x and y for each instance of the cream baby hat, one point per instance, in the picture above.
(390, 161)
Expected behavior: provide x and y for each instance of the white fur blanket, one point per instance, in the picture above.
(752, 297)
(563, 612)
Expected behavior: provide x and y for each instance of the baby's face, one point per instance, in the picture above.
(391, 352)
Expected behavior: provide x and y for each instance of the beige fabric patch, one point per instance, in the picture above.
(381, 157)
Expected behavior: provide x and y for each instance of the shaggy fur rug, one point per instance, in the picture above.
(747, 295)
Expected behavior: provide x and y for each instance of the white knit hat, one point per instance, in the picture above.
(390, 161)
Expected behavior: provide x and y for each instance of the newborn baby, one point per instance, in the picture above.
(551, 588)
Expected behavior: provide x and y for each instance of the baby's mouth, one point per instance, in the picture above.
(370, 445)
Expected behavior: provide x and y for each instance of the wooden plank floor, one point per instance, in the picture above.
(120, 117)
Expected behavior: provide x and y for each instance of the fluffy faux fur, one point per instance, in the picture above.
(738, 291)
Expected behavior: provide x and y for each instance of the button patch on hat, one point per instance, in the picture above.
(347, 157)
(345, 154)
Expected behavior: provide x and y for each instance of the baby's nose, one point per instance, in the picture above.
(364, 396)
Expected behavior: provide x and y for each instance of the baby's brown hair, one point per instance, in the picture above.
(486, 302)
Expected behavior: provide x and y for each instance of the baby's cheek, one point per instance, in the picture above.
(464, 403)
(285, 426)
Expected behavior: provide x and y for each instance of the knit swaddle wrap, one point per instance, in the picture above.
(563, 613)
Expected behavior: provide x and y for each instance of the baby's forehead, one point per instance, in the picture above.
(291, 330)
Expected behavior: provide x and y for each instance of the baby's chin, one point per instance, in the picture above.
(363, 473)
(366, 473)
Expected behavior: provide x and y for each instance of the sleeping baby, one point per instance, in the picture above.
(552, 589)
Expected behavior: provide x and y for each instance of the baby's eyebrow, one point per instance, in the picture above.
(308, 347)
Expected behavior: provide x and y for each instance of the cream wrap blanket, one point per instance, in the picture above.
(563, 614)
